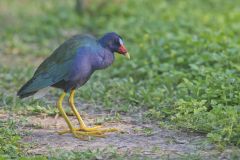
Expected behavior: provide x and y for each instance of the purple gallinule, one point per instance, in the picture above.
(69, 67)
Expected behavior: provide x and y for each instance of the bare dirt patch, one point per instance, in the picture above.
(135, 138)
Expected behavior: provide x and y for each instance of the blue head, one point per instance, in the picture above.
(113, 42)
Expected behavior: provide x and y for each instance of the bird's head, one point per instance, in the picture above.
(114, 43)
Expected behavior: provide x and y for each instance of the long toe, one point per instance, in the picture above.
(94, 134)
(98, 129)
(82, 133)
(108, 130)
(84, 129)
(89, 129)
(67, 131)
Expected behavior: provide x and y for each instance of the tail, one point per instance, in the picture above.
(36, 83)
(24, 90)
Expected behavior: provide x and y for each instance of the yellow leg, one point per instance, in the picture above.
(71, 102)
(94, 131)
(61, 110)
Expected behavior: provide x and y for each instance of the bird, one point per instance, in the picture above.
(69, 67)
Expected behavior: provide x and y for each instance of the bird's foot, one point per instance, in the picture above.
(86, 131)
(97, 129)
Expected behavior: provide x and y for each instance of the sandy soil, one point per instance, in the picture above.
(134, 137)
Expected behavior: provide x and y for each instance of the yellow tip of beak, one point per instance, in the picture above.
(127, 55)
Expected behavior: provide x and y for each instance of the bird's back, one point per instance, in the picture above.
(66, 52)
(56, 67)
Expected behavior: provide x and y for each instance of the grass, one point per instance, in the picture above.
(185, 61)
(72, 155)
(9, 140)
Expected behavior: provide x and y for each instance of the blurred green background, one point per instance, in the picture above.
(184, 71)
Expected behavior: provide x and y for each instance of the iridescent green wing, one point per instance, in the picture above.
(57, 66)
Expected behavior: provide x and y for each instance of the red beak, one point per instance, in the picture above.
(122, 49)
